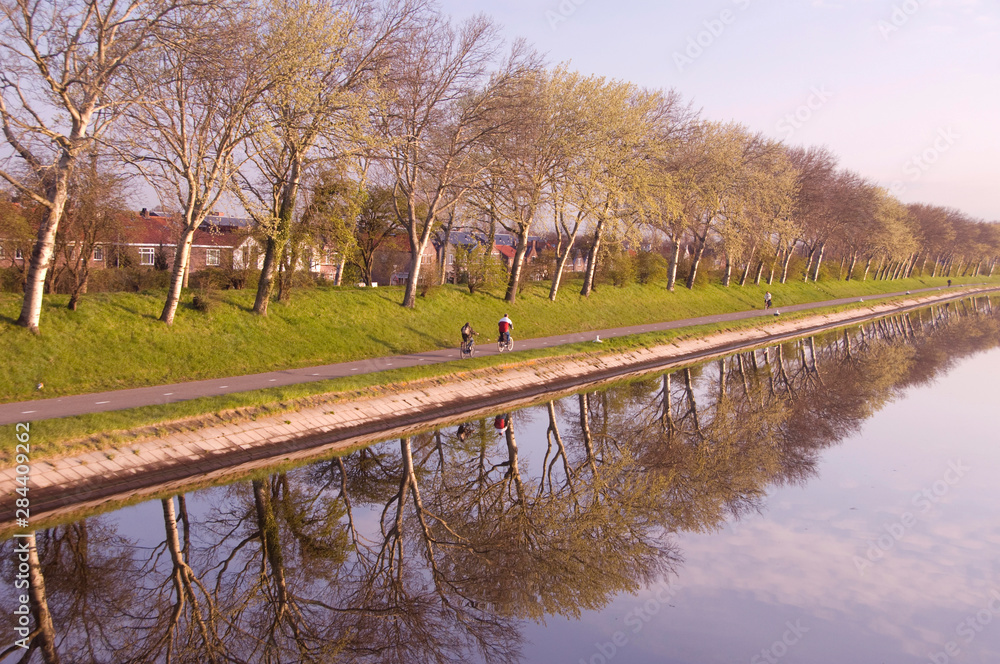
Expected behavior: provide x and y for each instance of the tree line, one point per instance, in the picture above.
(345, 122)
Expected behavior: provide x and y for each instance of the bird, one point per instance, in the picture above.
(598, 340)
(39, 386)
(861, 299)
(777, 313)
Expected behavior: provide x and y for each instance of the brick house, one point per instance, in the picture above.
(220, 242)
(504, 247)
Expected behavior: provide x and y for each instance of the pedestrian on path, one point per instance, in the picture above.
(767, 300)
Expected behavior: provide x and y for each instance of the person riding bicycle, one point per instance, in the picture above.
(505, 325)
(468, 340)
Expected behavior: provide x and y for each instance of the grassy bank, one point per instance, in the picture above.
(116, 428)
(113, 429)
(115, 341)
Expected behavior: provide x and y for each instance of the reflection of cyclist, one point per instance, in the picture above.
(500, 422)
(506, 325)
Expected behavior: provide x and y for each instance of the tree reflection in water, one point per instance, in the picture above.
(434, 548)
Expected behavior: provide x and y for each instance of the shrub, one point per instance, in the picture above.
(223, 278)
(479, 270)
(11, 280)
(650, 266)
(202, 302)
(617, 266)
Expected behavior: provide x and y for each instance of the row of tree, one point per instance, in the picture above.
(260, 102)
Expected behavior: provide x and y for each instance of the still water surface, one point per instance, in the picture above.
(826, 501)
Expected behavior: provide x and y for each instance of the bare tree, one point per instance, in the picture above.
(58, 63)
(442, 104)
(207, 84)
(334, 56)
(94, 216)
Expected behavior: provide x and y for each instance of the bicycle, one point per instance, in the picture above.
(505, 344)
(468, 348)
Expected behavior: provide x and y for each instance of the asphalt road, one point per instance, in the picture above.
(42, 409)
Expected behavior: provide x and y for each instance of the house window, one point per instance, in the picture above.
(98, 253)
(147, 255)
(212, 256)
(18, 254)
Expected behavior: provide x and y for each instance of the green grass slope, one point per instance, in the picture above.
(115, 340)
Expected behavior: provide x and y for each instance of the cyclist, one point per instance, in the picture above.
(468, 340)
(505, 325)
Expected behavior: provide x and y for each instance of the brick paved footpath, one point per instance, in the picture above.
(99, 480)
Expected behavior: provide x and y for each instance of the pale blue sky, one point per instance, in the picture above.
(888, 80)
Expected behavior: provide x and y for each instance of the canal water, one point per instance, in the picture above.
(824, 501)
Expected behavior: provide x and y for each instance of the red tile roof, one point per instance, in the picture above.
(165, 231)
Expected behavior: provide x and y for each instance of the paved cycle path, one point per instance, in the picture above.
(42, 409)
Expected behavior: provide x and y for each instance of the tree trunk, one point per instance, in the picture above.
(695, 262)
(40, 605)
(338, 281)
(417, 247)
(272, 257)
(850, 268)
(675, 255)
(79, 288)
(41, 256)
(746, 273)
(760, 272)
(181, 258)
(561, 261)
(819, 261)
(727, 274)
(868, 266)
(410, 297)
(267, 524)
(443, 253)
(274, 249)
(585, 434)
(588, 279)
(809, 262)
(784, 266)
(517, 265)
